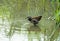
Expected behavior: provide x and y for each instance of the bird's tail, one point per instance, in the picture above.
(39, 18)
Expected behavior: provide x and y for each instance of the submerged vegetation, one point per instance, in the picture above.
(14, 12)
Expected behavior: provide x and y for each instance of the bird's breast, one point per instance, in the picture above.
(34, 21)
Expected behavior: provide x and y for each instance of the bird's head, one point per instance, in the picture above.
(29, 18)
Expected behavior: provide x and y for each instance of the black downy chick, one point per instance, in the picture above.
(34, 20)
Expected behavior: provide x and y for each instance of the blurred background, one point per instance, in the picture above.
(14, 26)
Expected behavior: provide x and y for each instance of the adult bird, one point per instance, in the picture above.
(34, 20)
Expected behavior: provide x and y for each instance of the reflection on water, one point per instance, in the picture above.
(27, 33)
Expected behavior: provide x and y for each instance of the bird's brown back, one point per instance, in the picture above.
(37, 18)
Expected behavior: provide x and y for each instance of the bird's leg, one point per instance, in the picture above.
(35, 25)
